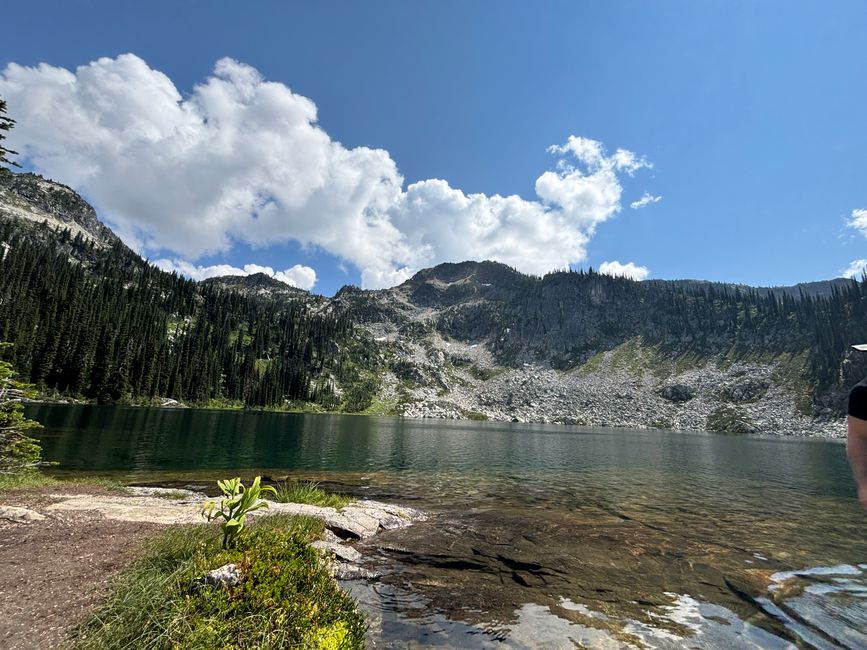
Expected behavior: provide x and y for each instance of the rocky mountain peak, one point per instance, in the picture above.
(256, 283)
(34, 198)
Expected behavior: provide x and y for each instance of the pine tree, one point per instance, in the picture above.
(18, 451)
(6, 124)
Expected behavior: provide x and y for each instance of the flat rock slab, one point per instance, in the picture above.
(153, 510)
(341, 551)
(175, 494)
(19, 515)
(360, 520)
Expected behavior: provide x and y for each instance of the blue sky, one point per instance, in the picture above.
(752, 114)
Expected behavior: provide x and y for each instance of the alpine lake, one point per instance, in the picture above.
(539, 535)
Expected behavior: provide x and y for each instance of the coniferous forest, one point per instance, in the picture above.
(106, 325)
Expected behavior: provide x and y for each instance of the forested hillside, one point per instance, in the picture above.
(106, 325)
(568, 317)
(90, 319)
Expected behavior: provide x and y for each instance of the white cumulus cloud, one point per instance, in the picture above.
(855, 269)
(242, 159)
(858, 221)
(628, 270)
(299, 276)
(646, 199)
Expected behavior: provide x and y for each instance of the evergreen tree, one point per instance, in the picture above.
(18, 451)
(6, 123)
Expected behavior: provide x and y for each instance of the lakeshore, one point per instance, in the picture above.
(531, 529)
(63, 545)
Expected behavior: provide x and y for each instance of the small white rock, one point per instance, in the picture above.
(227, 576)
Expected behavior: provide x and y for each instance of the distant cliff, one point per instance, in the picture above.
(31, 198)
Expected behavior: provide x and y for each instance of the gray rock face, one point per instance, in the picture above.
(225, 577)
(31, 197)
(353, 522)
(360, 520)
(481, 341)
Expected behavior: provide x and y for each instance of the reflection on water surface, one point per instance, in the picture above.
(543, 535)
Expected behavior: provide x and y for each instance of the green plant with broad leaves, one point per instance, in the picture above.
(234, 506)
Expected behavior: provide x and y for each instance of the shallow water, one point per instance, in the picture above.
(542, 536)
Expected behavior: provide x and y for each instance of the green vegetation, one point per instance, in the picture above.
(297, 406)
(473, 415)
(109, 484)
(728, 419)
(34, 479)
(26, 480)
(235, 505)
(381, 406)
(592, 364)
(310, 493)
(224, 404)
(6, 123)
(286, 600)
(171, 495)
(102, 324)
(20, 455)
(359, 395)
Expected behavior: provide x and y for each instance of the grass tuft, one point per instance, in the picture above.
(33, 479)
(26, 480)
(109, 484)
(287, 599)
(310, 493)
(172, 495)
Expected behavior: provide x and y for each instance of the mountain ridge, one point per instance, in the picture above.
(482, 340)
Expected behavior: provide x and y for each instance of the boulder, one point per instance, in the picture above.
(19, 515)
(347, 571)
(341, 551)
(677, 393)
(352, 522)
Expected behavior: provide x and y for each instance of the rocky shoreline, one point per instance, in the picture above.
(165, 506)
(741, 399)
